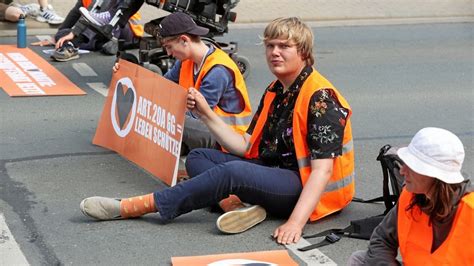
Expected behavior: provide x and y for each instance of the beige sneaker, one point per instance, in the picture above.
(240, 220)
(101, 208)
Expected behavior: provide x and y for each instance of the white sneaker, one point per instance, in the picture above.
(49, 15)
(99, 19)
(31, 10)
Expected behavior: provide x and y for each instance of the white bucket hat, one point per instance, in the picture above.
(435, 152)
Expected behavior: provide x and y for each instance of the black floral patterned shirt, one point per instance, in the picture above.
(326, 122)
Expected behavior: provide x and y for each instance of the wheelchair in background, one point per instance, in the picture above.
(212, 14)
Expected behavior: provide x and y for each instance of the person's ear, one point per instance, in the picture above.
(185, 40)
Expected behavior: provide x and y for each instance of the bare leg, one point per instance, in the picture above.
(43, 3)
(13, 14)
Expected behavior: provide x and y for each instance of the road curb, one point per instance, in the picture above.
(11, 31)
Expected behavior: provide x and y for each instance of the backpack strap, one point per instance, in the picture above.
(328, 240)
(386, 197)
(360, 229)
(337, 231)
(386, 191)
(331, 236)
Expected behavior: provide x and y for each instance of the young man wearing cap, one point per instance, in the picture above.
(211, 71)
(208, 69)
(433, 220)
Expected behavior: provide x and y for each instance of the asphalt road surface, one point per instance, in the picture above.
(398, 79)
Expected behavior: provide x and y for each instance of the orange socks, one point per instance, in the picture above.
(140, 205)
(231, 203)
(137, 206)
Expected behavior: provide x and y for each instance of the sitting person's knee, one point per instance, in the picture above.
(12, 14)
(357, 258)
(196, 153)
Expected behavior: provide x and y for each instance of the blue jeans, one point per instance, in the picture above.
(216, 175)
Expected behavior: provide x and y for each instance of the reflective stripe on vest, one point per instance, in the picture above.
(239, 122)
(341, 183)
(235, 120)
(415, 235)
(333, 185)
(340, 189)
(306, 161)
(136, 25)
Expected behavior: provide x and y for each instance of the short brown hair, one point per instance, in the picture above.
(295, 30)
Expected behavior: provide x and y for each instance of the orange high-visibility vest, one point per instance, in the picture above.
(86, 3)
(415, 235)
(340, 188)
(239, 122)
(136, 25)
(134, 21)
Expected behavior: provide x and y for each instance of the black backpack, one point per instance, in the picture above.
(363, 228)
(391, 165)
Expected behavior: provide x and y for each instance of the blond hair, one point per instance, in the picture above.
(295, 30)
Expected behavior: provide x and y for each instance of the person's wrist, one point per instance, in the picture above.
(208, 113)
(297, 223)
(203, 117)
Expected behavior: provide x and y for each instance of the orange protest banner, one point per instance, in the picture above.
(24, 73)
(143, 119)
(270, 258)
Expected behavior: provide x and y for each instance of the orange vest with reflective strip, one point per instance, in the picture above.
(86, 3)
(340, 188)
(134, 21)
(415, 235)
(239, 122)
(135, 24)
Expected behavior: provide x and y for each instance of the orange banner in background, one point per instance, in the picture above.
(143, 119)
(24, 73)
(269, 258)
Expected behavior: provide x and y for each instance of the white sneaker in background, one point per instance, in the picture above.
(49, 15)
(99, 19)
(30, 10)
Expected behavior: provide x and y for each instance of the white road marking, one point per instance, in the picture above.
(99, 87)
(84, 70)
(9, 250)
(311, 257)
